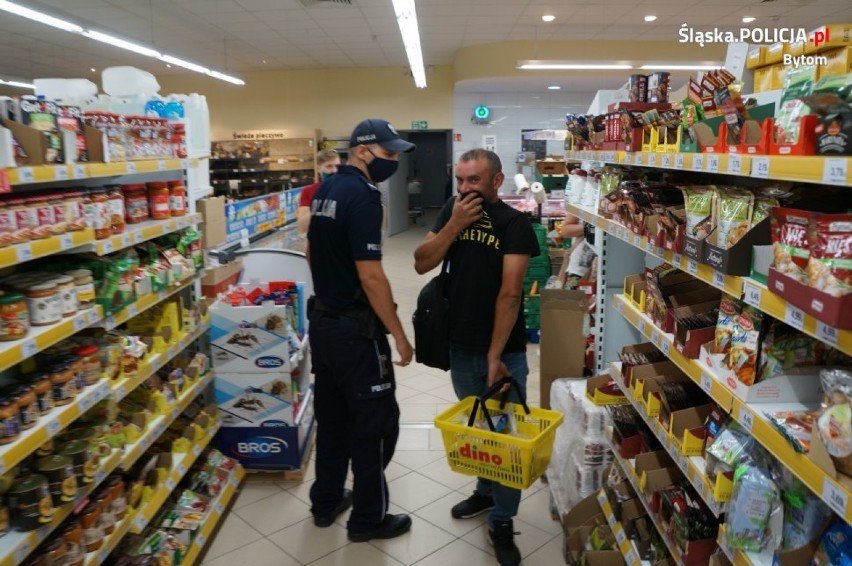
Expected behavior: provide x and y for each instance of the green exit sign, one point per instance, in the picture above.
(420, 125)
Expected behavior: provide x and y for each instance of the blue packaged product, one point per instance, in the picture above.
(836, 546)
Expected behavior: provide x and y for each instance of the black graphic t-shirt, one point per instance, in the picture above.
(476, 274)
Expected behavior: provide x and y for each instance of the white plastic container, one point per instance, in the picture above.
(129, 81)
(578, 185)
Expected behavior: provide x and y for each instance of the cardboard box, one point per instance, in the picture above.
(686, 427)
(563, 343)
(598, 397)
(250, 340)
(217, 279)
(736, 260)
(756, 57)
(546, 168)
(833, 311)
(774, 53)
(688, 341)
(586, 512)
(839, 61)
(831, 35)
(213, 225)
(574, 549)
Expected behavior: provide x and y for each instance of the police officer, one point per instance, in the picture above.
(350, 314)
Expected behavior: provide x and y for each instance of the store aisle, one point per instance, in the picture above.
(270, 523)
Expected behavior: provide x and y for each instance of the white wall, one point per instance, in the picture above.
(511, 113)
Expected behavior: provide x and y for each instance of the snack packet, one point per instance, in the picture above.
(700, 211)
(830, 261)
(790, 249)
(798, 82)
(754, 519)
(762, 208)
(729, 309)
(735, 208)
(836, 545)
(745, 342)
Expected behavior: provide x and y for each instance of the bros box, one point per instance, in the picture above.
(250, 339)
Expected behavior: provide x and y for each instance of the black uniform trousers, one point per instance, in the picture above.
(357, 417)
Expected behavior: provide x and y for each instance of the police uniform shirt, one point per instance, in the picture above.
(476, 274)
(346, 223)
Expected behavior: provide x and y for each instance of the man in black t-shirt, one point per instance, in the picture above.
(354, 391)
(487, 246)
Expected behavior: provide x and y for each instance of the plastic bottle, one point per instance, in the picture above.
(174, 110)
(156, 108)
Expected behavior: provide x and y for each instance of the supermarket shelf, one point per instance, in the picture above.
(809, 169)
(215, 516)
(28, 251)
(697, 371)
(50, 425)
(152, 365)
(145, 303)
(159, 424)
(180, 466)
(42, 337)
(625, 546)
(836, 492)
(691, 466)
(99, 556)
(731, 284)
(137, 233)
(627, 467)
(15, 546)
(757, 295)
(78, 171)
(739, 558)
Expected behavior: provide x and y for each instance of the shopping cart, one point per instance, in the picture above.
(513, 461)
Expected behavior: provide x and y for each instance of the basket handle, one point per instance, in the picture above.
(479, 402)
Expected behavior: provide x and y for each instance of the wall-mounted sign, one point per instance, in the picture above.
(263, 135)
(489, 142)
(419, 125)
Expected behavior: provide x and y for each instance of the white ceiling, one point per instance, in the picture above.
(238, 36)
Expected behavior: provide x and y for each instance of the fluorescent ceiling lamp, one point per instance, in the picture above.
(406, 18)
(548, 17)
(748, 19)
(123, 43)
(681, 67)
(557, 65)
(39, 17)
(18, 84)
(650, 18)
(554, 87)
(227, 78)
(185, 64)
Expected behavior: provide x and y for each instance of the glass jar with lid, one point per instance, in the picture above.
(14, 317)
(84, 285)
(44, 304)
(115, 204)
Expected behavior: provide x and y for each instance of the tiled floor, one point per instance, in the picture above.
(270, 523)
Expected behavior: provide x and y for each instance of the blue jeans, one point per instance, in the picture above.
(469, 373)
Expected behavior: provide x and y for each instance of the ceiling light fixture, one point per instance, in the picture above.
(748, 19)
(650, 18)
(566, 65)
(43, 18)
(554, 87)
(664, 67)
(406, 18)
(94, 70)
(548, 17)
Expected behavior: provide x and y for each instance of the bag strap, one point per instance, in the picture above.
(479, 402)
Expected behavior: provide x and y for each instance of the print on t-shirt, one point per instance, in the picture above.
(481, 231)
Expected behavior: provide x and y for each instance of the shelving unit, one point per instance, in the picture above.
(137, 233)
(625, 546)
(82, 171)
(215, 516)
(28, 251)
(144, 303)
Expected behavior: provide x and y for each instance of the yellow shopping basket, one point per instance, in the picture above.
(509, 460)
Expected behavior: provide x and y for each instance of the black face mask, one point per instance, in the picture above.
(381, 169)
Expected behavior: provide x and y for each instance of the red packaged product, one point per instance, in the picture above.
(830, 263)
(790, 247)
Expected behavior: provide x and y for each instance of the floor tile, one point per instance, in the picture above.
(424, 398)
(412, 439)
(253, 492)
(445, 392)
(547, 555)
(460, 553)
(233, 534)
(413, 491)
(423, 539)
(356, 555)
(418, 413)
(535, 510)
(440, 471)
(530, 539)
(260, 553)
(415, 459)
(438, 513)
(426, 382)
(306, 542)
(274, 513)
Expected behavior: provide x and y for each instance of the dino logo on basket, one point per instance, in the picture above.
(260, 447)
(469, 452)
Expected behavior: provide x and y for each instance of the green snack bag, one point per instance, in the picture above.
(797, 83)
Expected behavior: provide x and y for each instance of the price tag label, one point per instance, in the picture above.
(79, 323)
(649, 247)
(99, 476)
(611, 520)
(735, 164)
(29, 349)
(683, 462)
(794, 316)
(706, 383)
(87, 402)
(138, 238)
(630, 557)
(132, 310)
(24, 252)
(601, 498)
(643, 326)
(835, 170)
(110, 322)
(107, 246)
(619, 306)
(637, 240)
(698, 162)
(677, 259)
(170, 484)
(161, 165)
(60, 172)
(181, 469)
(746, 419)
(200, 540)
(620, 537)
(835, 497)
(196, 450)
(637, 158)
(66, 242)
(184, 163)
(713, 163)
(219, 508)
(652, 160)
(131, 168)
(140, 522)
(655, 337)
(26, 175)
(234, 481)
(718, 279)
(618, 230)
(678, 162)
(666, 347)
(826, 333)
(760, 167)
(125, 241)
(23, 550)
(120, 392)
(172, 352)
(79, 171)
(752, 294)
(667, 160)
(692, 266)
(53, 427)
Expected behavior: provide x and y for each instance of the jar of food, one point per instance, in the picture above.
(84, 285)
(119, 500)
(55, 551)
(43, 388)
(63, 384)
(59, 472)
(74, 211)
(28, 411)
(93, 534)
(83, 458)
(8, 226)
(67, 294)
(72, 534)
(10, 425)
(26, 219)
(44, 215)
(178, 139)
(100, 212)
(4, 517)
(129, 366)
(177, 198)
(14, 317)
(91, 363)
(158, 200)
(75, 366)
(30, 503)
(44, 304)
(135, 203)
(115, 201)
(60, 214)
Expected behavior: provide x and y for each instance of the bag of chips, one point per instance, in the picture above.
(798, 82)
(790, 249)
(735, 208)
(830, 261)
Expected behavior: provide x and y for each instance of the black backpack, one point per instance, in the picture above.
(432, 324)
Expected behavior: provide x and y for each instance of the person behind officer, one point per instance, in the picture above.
(328, 160)
(354, 392)
(488, 245)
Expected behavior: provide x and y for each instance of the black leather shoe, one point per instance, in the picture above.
(327, 520)
(392, 526)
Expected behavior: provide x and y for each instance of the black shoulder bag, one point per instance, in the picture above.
(432, 323)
